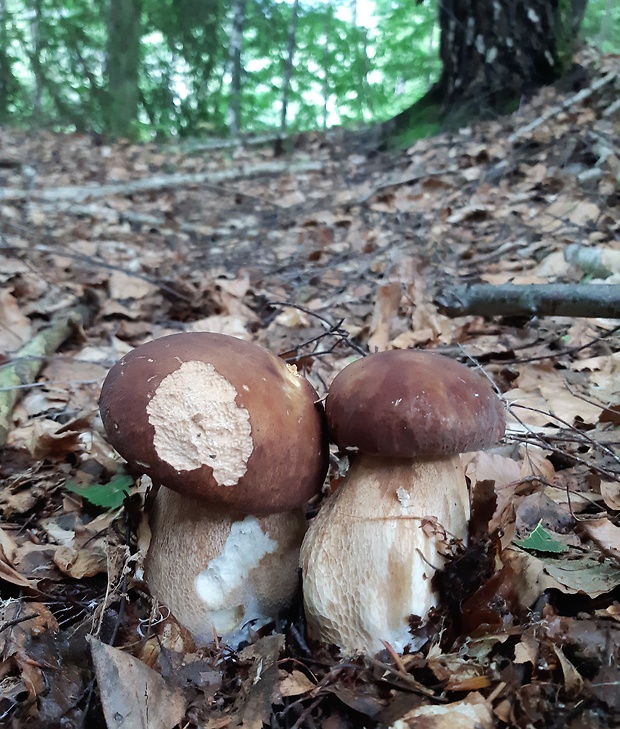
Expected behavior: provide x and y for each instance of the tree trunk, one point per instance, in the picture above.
(326, 62)
(288, 66)
(362, 64)
(6, 73)
(493, 52)
(236, 46)
(35, 29)
(122, 66)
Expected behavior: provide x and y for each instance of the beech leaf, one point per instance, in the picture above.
(539, 540)
(109, 496)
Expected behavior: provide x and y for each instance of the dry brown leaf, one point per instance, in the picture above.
(610, 491)
(573, 682)
(15, 327)
(79, 563)
(387, 304)
(133, 695)
(51, 440)
(293, 319)
(295, 683)
(22, 622)
(527, 649)
(261, 687)
(541, 397)
(531, 579)
(473, 712)
(232, 326)
(8, 548)
(605, 534)
(123, 286)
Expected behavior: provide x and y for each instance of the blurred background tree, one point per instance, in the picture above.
(153, 69)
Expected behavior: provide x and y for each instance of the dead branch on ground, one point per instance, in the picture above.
(576, 300)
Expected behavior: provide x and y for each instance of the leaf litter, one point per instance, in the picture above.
(353, 247)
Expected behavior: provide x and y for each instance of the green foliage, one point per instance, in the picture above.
(108, 496)
(54, 57)
(422, 119)
(601, 25)
(539, 540)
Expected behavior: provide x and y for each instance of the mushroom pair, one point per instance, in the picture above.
(235, 440)
(369, 555)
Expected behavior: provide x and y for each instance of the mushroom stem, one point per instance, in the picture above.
(370, 554)
(220, 571)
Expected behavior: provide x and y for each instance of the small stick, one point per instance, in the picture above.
(574, 300)
(23, 369)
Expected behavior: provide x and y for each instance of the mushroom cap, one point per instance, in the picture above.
(217, 418)
(220, 572)
(410, 404)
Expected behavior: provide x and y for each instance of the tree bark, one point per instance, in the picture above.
(576, 300)
(288, 65)
(236, 47)
(7, 81)
(122, 66)
(494, 51)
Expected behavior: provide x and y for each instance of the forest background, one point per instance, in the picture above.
(154, 69)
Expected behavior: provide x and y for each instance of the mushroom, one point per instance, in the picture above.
(369, 555)
(235, 439)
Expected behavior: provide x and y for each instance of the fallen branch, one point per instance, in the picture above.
(23, 369)
(576, 300)
(598, 262)
(81, 193)
(555, 110)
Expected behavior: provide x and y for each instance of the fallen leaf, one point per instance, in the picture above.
(387, 304)
(539, 540)
(133, 695)
(474, 712)
(295, 683)
(122, 286)
(610, 491)
(8, 572)
(605, 534)
(15, 326)
(573, 681)
(586, 575)
(253, 709)
(79, 563)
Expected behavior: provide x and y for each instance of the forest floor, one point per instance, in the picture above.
(105, 246)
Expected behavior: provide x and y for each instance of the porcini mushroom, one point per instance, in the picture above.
(369, 555)
(237, 436)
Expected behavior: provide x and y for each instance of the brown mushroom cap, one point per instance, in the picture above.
(217, 418)
(410, 404)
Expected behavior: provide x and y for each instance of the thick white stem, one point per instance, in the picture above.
(370, 554)
(220, 572)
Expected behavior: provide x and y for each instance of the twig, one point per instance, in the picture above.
(574, 300)
(562, 352)
(566, 104)
(30, 359)
(335, 329)
(546, 440)
(81, 193)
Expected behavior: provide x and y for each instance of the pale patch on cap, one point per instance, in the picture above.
(198, 423)
(245, 547)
